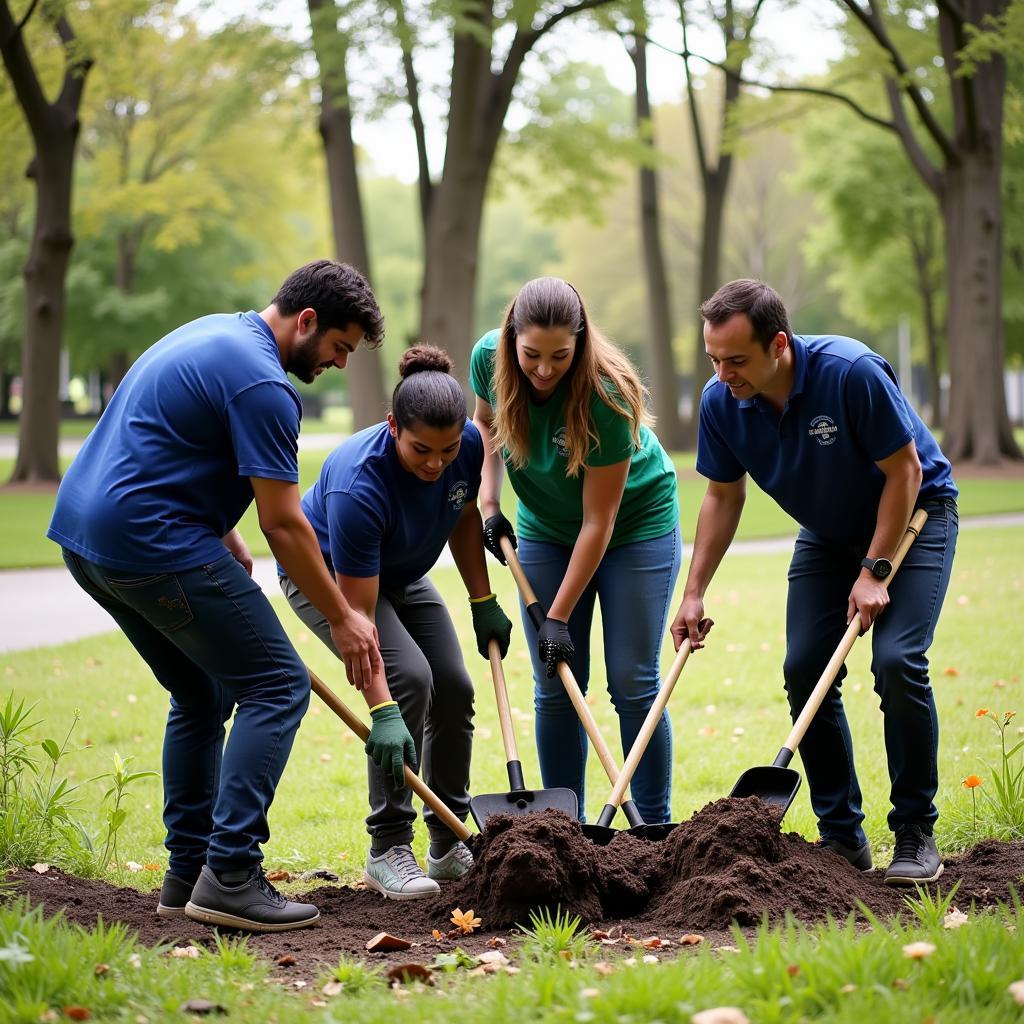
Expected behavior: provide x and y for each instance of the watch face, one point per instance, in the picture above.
(882, 568)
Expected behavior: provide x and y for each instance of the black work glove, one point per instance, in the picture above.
(390, 744)
(490, 622)
(554, 644)
(496, 527)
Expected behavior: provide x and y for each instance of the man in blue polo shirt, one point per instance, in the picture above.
(205, 421)
(820, 424)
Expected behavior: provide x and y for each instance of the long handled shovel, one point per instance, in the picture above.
(519, 799)
(600, 832)
(537, 616)
(776, 783)
(412, 780)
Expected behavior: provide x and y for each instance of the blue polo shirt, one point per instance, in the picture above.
(374, 518)
(165, 472)
(817, 459)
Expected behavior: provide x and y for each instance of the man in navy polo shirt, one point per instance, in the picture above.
(821, 425)
(205, 421)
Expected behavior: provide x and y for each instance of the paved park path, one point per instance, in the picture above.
(44, 607)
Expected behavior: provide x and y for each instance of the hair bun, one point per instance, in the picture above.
(424, 357)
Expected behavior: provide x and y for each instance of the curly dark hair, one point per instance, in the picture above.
(340, 295)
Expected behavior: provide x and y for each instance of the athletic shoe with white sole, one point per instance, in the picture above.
(174, 894)
(915, 860)
(250, 903)
(396, 875)
(457, 862)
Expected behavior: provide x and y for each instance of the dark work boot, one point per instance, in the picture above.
(858, 856)
(174, 894)
(915, 859)
(250, 902)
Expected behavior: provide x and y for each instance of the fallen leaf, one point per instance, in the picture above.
(325, 757)
(793, 970)
(590, 993)
(950, 671)
(497, 942)
(918, 950)
(511, 969)
(132, 698)
(466, 922)
(900, 984)
(604, 968)
(286, 960)
(437, 935)
(77, 1012)
(847, 989)
(493, 956)
(202, 1007)
(610, 942)
(650, 958)
(151, 867)
(100, 969)
(384, 943)
(279, 875)
(1016, 989)
(300, 983)
(410, 972)
(954, 918)
(133, 865)
(720, 1015)
(49, 1017)
(318, 1003)
(630, 961)
(565, 954)
(40, 869)
(707, 730)
(597, 935)
(726, 949)
(189, 952)
(332, 988)
(690, 939)
(135, 961)
(654, 942)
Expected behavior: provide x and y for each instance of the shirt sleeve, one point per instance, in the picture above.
(481, 370)
(474, 444)
(264, 424)
(356, 532)
(614, 438)
(715, 459)
(877, 408)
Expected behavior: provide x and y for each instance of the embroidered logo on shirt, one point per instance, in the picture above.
(457, 494)
(824, 430)
(559, 441)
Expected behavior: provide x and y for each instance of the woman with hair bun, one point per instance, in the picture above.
(563, 410)
(388, 499)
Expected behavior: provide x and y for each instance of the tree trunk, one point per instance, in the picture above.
(5, 394)
(978, 426)
(664, 384)
(366, 389)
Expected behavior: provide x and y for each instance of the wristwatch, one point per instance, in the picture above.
(880, 567)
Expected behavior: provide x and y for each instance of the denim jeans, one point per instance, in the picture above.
(428, 678)
(634, 584)
(821, 576)
(215, 644)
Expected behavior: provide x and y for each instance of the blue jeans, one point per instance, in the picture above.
(634, 584)
(215, 644)
(820, 578)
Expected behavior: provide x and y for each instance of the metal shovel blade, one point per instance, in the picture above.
(773, 785)
(523, 801)
(599, 835)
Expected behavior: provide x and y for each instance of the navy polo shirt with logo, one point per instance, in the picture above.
(374, 518)
(817, 459)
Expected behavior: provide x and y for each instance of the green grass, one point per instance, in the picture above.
(25, 515)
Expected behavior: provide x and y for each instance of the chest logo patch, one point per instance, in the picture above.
(457, 494)
(824, 430)
(559, 441)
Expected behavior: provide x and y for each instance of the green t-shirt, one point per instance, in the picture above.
(550, 501)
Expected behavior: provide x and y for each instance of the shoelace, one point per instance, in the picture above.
(266, 888)
(461, 853)
(909, 844)
(402, 862)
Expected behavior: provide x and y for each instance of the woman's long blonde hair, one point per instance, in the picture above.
(597, 366)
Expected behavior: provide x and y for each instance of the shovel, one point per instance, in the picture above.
(777, 784)
(519, 799)
(412, 780)
(600, 832)
(537, 616)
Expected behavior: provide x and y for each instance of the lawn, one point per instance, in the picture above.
(728, 712)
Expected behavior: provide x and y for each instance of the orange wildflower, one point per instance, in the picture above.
(981, 713)
(971, 781)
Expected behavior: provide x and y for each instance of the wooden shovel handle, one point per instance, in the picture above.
(564, 672)
(508, 734)
(412, 780)
(651, 722)
(827, 678)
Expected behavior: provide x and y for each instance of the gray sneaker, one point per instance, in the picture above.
(858, 856)
(174, 894)
(915, 860)
(252, 904)
(396, 875)
(454, 864)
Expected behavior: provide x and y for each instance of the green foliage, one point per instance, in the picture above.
(355, 977)
(558, 936)
(930, 910)
(232, 954)
(1003, 792)
(120, 778)
(453, 960)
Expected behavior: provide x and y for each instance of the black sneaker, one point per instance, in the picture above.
(915, 859)
(253, 904)
(858, 856)
(174, 894)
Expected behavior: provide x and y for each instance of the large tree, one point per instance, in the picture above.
(54, 125)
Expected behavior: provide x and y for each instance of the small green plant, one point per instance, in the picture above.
(453, 960)
(232, 955)
(554, 936)
(930, 911)
(354, 977)
(1004, 797)
(120, 778)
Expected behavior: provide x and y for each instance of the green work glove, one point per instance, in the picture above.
(490, 622)
(390, 743)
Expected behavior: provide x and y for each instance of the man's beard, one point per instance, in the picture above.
(305, 358)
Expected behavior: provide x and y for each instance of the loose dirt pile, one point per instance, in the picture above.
(730, 862)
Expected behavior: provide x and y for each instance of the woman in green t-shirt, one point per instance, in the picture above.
(598, 519)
